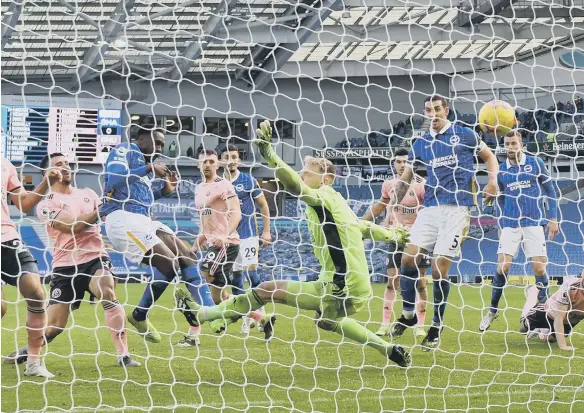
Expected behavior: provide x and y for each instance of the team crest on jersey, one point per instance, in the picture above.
(122, 150)
(528, 168)
(56, 293)
(239, 187)
(454, 140)
(86, 199)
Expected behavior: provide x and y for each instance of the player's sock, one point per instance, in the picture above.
(421, 300)
(441, 291)
(235, 307)
(196, 285)
(237, 283)
(542, 284)
(36, 319)
(498, 285)
(115, 318)
(408, 289)
(153, 291)
(254, 278)
(351, 329)
(388, 301)
(194, 331)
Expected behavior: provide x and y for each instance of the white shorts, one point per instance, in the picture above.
(133, 234)
(533, 239)
(441, 229)
(248, 253)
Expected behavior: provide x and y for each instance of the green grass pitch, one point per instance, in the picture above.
(301, 370)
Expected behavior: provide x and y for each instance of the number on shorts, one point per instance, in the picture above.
(250, 252)
(456, 242)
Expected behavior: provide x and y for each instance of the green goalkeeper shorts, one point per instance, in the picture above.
(327, 299)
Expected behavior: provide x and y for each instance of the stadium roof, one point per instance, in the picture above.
(252, 40)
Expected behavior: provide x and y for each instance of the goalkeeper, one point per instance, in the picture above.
(343, 287)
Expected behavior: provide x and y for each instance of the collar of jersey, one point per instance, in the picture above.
(236, 176)
(522, 162)
(447, 126)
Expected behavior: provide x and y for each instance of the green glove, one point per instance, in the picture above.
(264, 142)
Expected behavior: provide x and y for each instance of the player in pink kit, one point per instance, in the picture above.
(220, 213)
(403, 214)
(80, 261)
(555, 319)
(19, 267)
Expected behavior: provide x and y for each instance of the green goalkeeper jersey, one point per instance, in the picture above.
(337, 240)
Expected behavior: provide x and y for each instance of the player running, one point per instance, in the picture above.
(129, 173)
(403, 215)
(344, 285)
(449, 153)
(250, 194)
(80, 262)
(19, 268)
(523, 182)
(555, 319)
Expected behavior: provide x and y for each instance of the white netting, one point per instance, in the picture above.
(341, 79)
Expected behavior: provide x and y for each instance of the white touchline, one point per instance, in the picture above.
(284, 403)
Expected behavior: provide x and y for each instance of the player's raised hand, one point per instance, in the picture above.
(172, 180)
(160, 170)
(53, 176)
(553, 228)
(264, 140)
(490, 192)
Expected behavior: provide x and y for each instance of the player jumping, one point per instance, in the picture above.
(80, 262)
(129, 172)
(344, 285)
(404, 215)
(555, 319)
(523, 182)
(19, 268)
(449, 154)
(249, 193)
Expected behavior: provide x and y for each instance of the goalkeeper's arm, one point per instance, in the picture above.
(284, 173)
(378, 233)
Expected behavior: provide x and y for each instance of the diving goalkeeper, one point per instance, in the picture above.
(343, 286)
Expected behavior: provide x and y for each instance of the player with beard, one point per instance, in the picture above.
(250, 194)
(80, 262)
(129, 174)
(523, 182)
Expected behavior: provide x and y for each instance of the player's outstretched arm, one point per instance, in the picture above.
(378, 233)
(63, 221)
(489, 158)
(25, 200)
(287, 176)
(559, 319)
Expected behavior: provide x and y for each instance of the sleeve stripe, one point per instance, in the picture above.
(258, 195)
(547, 180)
(53, 219)
(124, 164)
(481, 146)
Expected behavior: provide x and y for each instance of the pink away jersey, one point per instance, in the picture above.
(211, 204)
(405, 213)
(10, 183)
(72, 249)
(571, 293)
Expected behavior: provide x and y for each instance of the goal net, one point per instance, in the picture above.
(341, 80)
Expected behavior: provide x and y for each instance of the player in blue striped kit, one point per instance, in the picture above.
(130, 171)
(449, 153)
(523, 182)
(249, 194)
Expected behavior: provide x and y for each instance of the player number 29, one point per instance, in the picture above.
(250, 252)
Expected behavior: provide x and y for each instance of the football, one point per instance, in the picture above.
(497, 118)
